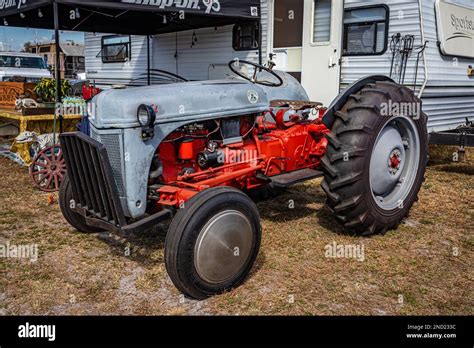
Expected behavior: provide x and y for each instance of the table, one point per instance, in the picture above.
(39, 124)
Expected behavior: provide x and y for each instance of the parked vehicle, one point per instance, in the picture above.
(191, 150)
(26, 67)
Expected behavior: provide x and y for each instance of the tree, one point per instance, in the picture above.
(27, 46)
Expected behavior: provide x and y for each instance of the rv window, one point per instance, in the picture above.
(116, 49)
(365, 31)
(322, 21)
(246, 36)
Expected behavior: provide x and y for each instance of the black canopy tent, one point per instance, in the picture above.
(134, 17)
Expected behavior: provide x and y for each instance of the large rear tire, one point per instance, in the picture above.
(376, 158)
(213, 242)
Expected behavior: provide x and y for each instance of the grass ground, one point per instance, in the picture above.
(423, 268)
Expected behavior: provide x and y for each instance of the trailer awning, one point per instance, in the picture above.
(139, 17)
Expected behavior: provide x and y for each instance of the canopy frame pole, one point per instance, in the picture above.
(260, 39)
(148, 71)
(57, 113)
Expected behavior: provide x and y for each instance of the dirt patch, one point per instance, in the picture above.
(423, 268)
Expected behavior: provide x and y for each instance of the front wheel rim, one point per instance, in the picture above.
(223, 247)
(394, 163)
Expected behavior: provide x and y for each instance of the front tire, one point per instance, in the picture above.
(74, 219)
(376, 158)
(213, 242)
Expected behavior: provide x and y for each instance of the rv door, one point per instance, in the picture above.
(286, 38)
(322, 45)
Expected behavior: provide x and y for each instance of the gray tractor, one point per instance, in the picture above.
(192, 151)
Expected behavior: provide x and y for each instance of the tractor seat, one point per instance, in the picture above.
(295, 104)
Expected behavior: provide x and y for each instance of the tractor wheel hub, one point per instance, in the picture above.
(394, 162)
(387, 161)
(223, 247)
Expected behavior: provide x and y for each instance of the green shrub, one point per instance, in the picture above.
(46, 90)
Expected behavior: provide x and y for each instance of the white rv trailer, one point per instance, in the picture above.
(328, 44)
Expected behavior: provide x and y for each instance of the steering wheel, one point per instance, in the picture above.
(254, 78)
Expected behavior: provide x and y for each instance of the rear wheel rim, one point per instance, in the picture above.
(223, 247)
(394, 163)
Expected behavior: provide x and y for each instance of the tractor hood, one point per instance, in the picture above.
(176, 105)
(177, 102)
(189, 101)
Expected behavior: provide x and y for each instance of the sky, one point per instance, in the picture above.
(13, 38)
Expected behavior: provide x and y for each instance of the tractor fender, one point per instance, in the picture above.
(341, 99)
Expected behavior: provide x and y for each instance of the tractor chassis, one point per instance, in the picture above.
(98, 201)
(200, 178)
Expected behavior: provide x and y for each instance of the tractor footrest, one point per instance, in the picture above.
(293, 178)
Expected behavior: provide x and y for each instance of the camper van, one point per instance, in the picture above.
(24, 66)
(427, 45)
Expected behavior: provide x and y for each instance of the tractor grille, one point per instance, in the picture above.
(113, 144)
(91, 178)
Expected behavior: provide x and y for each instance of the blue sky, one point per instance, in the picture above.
(14, 38)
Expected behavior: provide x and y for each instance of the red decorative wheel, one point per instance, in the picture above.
(48, 169)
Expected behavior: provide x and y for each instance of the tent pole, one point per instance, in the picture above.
(148, 59)
(57, 70)
(260, 39)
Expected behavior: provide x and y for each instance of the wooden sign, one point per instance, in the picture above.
(10, 91)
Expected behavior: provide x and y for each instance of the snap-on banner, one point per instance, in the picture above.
(140, 17)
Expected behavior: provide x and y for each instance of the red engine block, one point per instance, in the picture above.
(268, 149)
